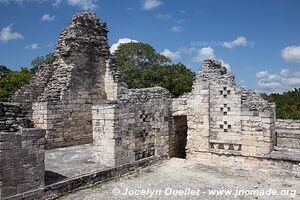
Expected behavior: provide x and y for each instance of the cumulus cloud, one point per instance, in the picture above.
(163, 16)
(239, 41)
(285, 80)
(84, 4)
(203, 54)
(291, 54)
(47, 17)
(172, 55)
(151, 4)
(115, 46)
(32, 46)
(7, 34)
(177, 29)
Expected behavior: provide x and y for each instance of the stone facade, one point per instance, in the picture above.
(132, 128)
(21, 155)
(224, 118)
(288, 133)
(80, 98)
(60, 97)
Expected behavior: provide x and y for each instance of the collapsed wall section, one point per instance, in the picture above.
(60, 96)
(132, 128)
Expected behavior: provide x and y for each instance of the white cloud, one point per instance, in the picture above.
(163, 16)
(285, 80)
(203, 54)
(32, 46)
(177, 29)
(284, 72)
(151, 4)
(7, 34)
(84, 4)
(47, 17)
(115, 46)
(56, 3)
(228, 67)
(172, 55)
(240, 41)
(291, 54)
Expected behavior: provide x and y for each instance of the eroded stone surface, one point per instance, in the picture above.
(60, 96)
(178, 174)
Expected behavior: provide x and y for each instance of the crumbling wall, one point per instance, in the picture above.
(29, 93)
(288, 133)
(132, 128)
(83, 74)
(21, 155)
(224, 118)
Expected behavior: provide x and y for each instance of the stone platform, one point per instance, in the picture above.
(70, 169)
(69, 162)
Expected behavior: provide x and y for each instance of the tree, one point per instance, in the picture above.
(4, 71)
(287, 104)
(13, 81)
(42, 60)
(141, 67)
(177, 78)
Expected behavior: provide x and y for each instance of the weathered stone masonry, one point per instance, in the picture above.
(288, 133)
(83, 74)
(22, 165)
(132, 128)
(230, 125)
(80, 99)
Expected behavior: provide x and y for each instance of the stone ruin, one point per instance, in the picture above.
(81, 99)
(60, 96)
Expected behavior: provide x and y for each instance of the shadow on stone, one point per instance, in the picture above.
(52, 177)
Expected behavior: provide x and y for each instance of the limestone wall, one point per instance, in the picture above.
(13, 117)
(21, 155)
(288, 133)
(132, 128)
(224, 118)
(29, 93)
(83, 74)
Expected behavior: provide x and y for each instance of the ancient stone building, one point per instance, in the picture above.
(224, 118)
(134, 127)
(228, 124)
(60, 96)
(81, 99)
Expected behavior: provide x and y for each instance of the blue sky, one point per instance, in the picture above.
(258, 40)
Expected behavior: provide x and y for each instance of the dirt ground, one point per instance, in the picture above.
(181, 179)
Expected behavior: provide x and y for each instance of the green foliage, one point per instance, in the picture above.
(4, 71)
(141, 67)
(48, 59)
(287, 104)
(12, 81)
(177, 78)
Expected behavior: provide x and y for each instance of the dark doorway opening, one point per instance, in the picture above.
(179, 136)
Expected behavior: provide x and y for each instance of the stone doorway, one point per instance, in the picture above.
(179, 137)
